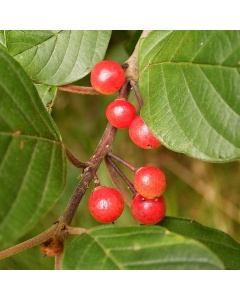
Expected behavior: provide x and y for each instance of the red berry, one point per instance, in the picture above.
(148, 211)
(106, 204)
(149, 181)
(120, 113)
(141, 135)
(107, 77)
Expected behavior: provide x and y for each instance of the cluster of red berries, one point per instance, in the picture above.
(107, 77)
(107, 204)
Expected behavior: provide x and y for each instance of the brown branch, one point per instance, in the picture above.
(103, 148)
(42, 237)
(58, 260)
(83, 90)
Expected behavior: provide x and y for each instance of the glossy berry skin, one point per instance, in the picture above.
(120, 113)
(148, 211)
(141, 135)
(107, 77)
(106, 204)
(149, 181)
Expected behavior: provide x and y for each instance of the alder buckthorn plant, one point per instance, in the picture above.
(112, 150)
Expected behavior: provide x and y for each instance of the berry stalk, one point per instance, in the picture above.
(83, 90)
(121, 174)
(118, 184)
(122, 161)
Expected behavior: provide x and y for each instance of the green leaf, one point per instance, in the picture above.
(137, 248)
(47, 94)
(57, 57)
(227, 249)
(2, 40)
(190, 84)
(32, 159)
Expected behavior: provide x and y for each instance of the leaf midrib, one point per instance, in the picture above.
(106, 252)
(187, 63)
(15, 135)
(44, 41)
(121, 265)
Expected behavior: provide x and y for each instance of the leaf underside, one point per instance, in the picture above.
(190, 84)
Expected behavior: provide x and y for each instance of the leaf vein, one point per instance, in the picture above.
(42, 42)
(5, 154)
(53, 132)
(107, 253)
(24, 179)
(48, 60)
(202, 115)
(48, 177)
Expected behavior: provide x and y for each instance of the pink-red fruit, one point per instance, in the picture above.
(107, 77)
(149, 181)
(148, 211)
(141, 135)
(120, 113)
(106, 204)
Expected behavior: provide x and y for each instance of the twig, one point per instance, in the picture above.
(122, 175)
(124, 90)
(103, 148)
(76, 230)
(77, 163)
(42, 237)
(83, 90)
(58, 260)
(126, 164)
(114, 176)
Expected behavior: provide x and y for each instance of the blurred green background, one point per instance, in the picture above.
(208, 193)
